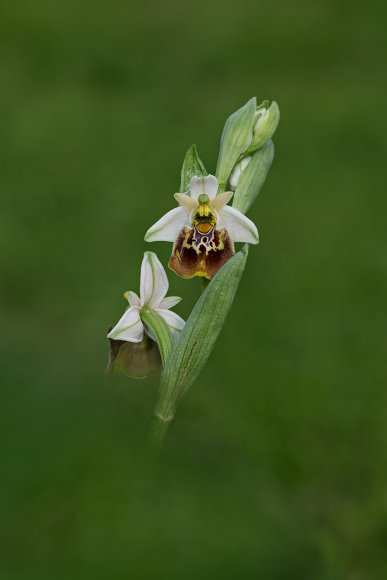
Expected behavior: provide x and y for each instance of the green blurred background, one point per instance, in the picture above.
(276, 466)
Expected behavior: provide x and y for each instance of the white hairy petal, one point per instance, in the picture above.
(221, 200)
(186, 201)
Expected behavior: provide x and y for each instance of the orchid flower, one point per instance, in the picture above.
(153, 289)
(203, 229)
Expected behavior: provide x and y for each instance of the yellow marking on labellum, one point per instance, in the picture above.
(187, 232)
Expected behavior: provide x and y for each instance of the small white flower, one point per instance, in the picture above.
(153, 289)
(203, 229)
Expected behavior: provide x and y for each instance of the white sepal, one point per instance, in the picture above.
(153, 282)
(240, 228)
(174, 321)
(129, 327)
(207, 185)
(168, 227)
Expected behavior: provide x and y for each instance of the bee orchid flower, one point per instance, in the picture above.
(153, 289)
(203, 229)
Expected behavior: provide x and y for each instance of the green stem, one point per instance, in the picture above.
(159, 429)
(165, 410)
(166, 406)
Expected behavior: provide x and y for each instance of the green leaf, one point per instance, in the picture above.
(253, 177)
(199, 335)
(160, 330)
(235, 140)
(192, 165)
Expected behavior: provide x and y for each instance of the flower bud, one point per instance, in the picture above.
(235, 140)
(266, 121)
(237, 172)
(253, 177)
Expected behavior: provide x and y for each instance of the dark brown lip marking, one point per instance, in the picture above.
(197, 254)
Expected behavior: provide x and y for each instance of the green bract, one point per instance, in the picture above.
(253, 177)
(265, 124)
(160, 330)
(236, 138)
(199, 335)
(192, 166)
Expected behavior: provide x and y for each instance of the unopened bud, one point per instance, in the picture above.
(266, 121)
(236, 138)
(237, 172)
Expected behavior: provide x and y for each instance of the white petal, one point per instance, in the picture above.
(186, 201)
(240, 228)
(221, 200)
(169, 302)
(199, 185)
(174, 321)
(154, 282)
(129, 327)
(132, 298)
(167, 228)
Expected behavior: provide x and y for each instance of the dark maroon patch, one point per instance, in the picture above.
(187, 262)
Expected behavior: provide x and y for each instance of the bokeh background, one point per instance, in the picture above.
(276, 466)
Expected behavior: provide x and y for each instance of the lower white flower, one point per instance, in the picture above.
(153, 289)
